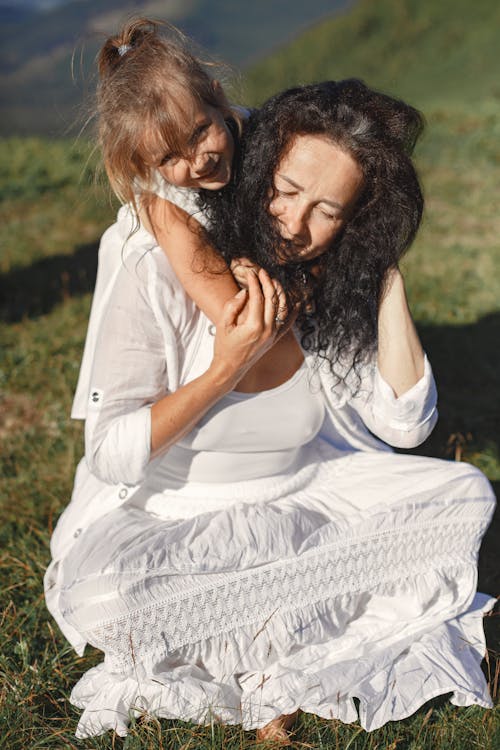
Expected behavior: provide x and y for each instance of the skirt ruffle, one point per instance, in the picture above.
(390, 682)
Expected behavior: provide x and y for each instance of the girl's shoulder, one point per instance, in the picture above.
(183, 198)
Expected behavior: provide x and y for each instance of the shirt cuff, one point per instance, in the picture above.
(411, 409)
(124, 453)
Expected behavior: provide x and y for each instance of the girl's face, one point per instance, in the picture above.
(206, 159)
(316, 186)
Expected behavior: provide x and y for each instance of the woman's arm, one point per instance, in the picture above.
(200, 269)
(397, 398)
(400, 355)
(136, 409)
(238, 345)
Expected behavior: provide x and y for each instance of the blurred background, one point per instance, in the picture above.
(440, 56)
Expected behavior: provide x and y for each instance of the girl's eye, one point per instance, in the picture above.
(198, 133)
(169, 160)
(284, 193)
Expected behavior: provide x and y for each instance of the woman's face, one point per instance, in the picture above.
(316, 186)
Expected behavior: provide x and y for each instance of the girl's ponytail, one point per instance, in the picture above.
(132, 35)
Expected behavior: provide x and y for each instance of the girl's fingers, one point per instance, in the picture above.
(241, 268)
(245, 263)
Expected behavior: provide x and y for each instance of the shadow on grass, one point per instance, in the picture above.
(489, 556)
(466, 364)
(37, 289)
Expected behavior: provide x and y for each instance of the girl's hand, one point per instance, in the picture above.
(241, 340)
(242, 268)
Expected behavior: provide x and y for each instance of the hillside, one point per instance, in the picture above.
(436, 54)
(37, 91)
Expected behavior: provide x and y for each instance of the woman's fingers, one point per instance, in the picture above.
(267, 302)
(281, 305)
(255, 302)
(233, 308)
(271, 300)
(263, 307)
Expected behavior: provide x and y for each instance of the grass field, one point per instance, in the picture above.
(52, 215)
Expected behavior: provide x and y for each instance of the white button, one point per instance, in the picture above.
(211, 329)
(77, 533)
(123, 493)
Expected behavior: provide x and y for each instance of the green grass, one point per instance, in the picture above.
(432, 53)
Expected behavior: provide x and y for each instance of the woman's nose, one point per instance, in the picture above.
(295, 221)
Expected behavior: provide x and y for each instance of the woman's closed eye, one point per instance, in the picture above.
(285, 193)
(327, 214)
(323, 212)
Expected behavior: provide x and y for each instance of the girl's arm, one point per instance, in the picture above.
(200, 269)
(400, 353)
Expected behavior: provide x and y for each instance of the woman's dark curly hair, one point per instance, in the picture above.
(344, 286)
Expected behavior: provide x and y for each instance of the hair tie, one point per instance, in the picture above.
(123, 48)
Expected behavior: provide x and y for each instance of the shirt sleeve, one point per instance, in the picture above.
(404, 421)
(128, 376)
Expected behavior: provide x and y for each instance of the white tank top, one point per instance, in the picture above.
(248, 435)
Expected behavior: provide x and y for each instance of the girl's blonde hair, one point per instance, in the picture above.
(148, 85)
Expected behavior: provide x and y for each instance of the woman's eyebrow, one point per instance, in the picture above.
(294, 184)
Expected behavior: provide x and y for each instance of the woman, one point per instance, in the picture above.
(241, 542)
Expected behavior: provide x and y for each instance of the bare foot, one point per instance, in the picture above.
(277, 730)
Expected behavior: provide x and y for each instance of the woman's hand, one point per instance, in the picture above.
(242, 269)
(239, 343)
(241, 339)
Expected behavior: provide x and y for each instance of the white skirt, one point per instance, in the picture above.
(355, 578)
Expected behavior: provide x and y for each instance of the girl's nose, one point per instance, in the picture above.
(200, 162)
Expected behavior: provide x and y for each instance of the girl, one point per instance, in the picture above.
(165, 129)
